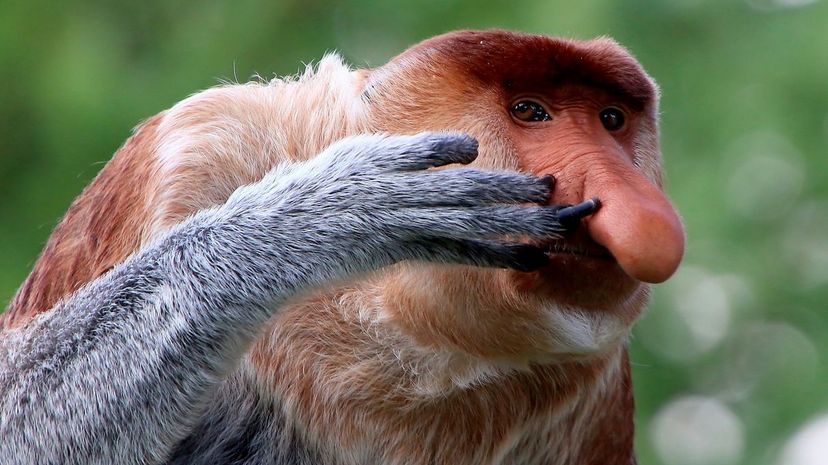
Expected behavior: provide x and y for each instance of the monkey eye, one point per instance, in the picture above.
(527, 110)
(612, 118)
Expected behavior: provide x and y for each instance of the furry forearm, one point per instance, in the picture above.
(120, 371)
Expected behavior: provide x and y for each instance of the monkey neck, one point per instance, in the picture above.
(357, 382)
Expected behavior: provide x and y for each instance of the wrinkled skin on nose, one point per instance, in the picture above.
(636, 222)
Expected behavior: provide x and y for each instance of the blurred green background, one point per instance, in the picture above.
(729, 362)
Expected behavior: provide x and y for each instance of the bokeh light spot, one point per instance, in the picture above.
(804, 246)
(809, 446)
(772, 5)
(766, 359)
(767, 177)
(696, 317)
(697, 431)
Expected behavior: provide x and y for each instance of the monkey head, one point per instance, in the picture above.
(582, 111)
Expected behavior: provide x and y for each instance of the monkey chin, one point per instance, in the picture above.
(510, 316)
(588, 303)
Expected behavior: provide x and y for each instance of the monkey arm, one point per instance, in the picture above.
(121, 370)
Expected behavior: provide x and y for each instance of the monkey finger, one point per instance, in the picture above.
(521, 257)
(424, 150)
(469, 187)
(383, 153)
(570, 216)
(428, 150)
(474, 222)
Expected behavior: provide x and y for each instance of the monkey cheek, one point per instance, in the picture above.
(642, 231)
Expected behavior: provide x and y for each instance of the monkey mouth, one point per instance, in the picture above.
(575, 243)
(580, 273)
(590, 251)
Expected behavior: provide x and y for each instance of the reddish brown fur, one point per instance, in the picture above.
(381, 403)
(440, 364)
(520, 62)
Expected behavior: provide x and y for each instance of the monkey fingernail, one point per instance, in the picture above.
(549, 180)
(570, 216)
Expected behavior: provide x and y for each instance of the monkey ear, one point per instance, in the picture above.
(381, 81)
(365, 83)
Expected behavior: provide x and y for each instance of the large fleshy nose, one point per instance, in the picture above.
(636, 222)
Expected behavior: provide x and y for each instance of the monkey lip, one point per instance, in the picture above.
(562, 248)
(576, 245)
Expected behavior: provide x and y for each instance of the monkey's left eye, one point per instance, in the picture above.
(527, 110)
(612, 118)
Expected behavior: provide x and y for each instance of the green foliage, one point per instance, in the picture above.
(729, 361)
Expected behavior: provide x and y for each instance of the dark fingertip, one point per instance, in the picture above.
(463, 146)
(530, 258)
(469, 149)
(472, 145)
(550, 181)
(570, 216)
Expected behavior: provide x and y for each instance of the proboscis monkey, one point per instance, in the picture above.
(244, 283)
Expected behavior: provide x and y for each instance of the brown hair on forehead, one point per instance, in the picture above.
(517, 61)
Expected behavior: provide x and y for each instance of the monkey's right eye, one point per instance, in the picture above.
(527, 110)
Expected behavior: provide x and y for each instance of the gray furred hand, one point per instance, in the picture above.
(121, 370)
(367, 202)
